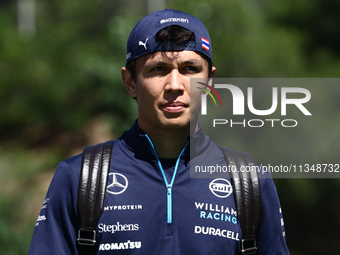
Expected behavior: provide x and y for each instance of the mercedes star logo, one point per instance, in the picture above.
(117, 184)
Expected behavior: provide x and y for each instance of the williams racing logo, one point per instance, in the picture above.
(221, 188)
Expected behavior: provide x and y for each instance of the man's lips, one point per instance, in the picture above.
(174, 106)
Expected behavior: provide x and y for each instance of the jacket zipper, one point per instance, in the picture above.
(167, 185)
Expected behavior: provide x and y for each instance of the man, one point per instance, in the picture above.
(152, 206)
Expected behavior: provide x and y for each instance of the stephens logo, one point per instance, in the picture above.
(117, 228)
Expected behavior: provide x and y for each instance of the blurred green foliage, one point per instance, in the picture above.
(68, 73)
(72, 65)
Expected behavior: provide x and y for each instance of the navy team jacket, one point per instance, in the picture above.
(153, 207)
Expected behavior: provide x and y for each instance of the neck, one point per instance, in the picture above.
(168, 143)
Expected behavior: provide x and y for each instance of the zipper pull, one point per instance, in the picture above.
(169, 202)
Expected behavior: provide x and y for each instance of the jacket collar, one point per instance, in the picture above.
(136, 141)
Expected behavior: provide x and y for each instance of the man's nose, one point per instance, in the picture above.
(174, 81)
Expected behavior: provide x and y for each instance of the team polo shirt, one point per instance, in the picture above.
(143, 215)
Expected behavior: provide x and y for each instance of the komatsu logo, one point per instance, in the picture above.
(128, 245)
(221, 188)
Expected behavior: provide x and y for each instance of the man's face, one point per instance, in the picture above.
(162, 88)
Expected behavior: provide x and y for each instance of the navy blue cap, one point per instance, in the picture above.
(142, 37)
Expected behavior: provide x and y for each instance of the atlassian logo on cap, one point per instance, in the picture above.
(183, 20)
(205, 44)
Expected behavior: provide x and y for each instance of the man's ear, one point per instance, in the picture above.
(209, 80)
(213, 70)
(129, 83)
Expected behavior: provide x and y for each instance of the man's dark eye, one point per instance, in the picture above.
(158, 68)
(191, 68)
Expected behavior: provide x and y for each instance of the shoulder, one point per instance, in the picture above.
(72, 166)
(69, 168)
(66, 178)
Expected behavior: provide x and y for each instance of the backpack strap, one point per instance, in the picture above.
(247, 194)
(91, 192)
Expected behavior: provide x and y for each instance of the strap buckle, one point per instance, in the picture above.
(248, 246)
(86, 237)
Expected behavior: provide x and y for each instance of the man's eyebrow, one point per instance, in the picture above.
(162, 63)
(157, 63)
(193, 61)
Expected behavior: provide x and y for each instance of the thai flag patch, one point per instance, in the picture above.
(205, 44)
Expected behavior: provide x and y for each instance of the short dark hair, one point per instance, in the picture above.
(171, 33)
(175, 33)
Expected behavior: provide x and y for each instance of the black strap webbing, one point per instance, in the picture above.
(247, 193)
(91, 192)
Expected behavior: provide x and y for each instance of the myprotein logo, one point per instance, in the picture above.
(240, 101)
